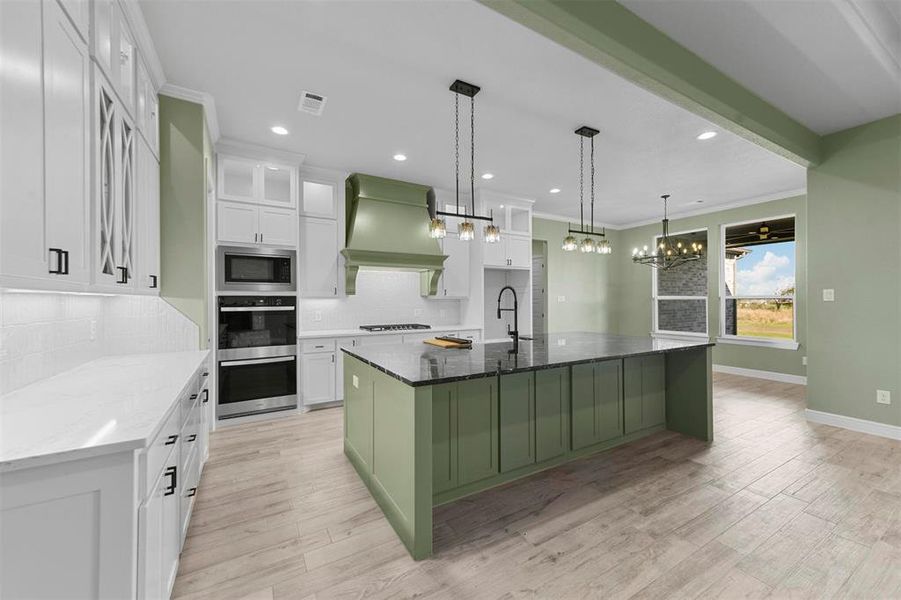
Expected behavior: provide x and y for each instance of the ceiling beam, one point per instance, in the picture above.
(610, 35)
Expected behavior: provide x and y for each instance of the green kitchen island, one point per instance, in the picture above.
(424, 426)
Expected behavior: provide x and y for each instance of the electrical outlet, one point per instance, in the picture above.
(356, 382)
(317, 316)
(883, 397)
(829, 295)
(804, 360)
(561, 298)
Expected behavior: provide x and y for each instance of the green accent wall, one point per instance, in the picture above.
(185, 151)
(610, 35)
(631, 286)
(854, 227)
(584, 280)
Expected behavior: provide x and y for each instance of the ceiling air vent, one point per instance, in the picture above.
(311, 103)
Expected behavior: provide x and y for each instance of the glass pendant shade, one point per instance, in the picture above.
(492, 234)
(570, 243)
(466, 231)
(437, 228)
(587, 245)
(603, 247)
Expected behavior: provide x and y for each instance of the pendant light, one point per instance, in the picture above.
(670, 252)
(589, 244)
(466, 228)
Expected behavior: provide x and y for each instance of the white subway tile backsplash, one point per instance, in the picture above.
(42, 334)
(382, 297)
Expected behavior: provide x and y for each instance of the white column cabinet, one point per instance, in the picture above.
(318, 276)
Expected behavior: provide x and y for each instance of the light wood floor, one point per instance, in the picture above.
(774, 507)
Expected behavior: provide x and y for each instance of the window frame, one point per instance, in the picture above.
(746, 340)
(656, 332)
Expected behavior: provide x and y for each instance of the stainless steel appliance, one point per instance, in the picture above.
(395, 327)
(257, 355)
(241, 269)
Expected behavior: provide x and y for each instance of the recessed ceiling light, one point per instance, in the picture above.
(487, 176)
(502, 206)
(279, 130)
(400, 157)
(555, 190)
(707, 135)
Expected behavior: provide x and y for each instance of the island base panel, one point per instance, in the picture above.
(689, 393)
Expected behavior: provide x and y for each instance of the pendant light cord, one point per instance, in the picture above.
(472, 152)
(457, 147)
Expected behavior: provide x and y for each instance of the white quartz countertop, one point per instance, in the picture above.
(111, 404)
(327, 333)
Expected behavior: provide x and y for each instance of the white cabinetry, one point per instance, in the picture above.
(147, 109)
(257, 182)
(319, 197)
(243, 223)
(318, 371)
(511, 252)
(454, 280)
(44, 151)
(318, 276)
(114, 50)
(148, 217)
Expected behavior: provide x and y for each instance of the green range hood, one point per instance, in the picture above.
(387, 227)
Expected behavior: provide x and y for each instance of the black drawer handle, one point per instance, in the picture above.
(123, 275)
(192, 492)
(172, 473)
(171, 439)
(206, 396)
(193, 397)
(62, 262)
(153, 281)
(192, 437)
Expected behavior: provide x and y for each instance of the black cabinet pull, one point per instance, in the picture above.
(60, 262)
(192, 492)
(206, 396)
(193, 397)
(192, 437)
(153, 282)
(171, 439)
(123, 275)
(172, 474)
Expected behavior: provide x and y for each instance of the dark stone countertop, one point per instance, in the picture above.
(423, 364)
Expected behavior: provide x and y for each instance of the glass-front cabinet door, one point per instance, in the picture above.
(237, 179)
(107, 117)
(279, 183)
(319, 199)
(126, 262)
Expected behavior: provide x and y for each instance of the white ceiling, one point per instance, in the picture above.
(386, 67)
(830, 64)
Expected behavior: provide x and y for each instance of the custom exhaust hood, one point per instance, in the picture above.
(387, 227)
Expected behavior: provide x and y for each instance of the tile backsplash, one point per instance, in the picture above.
(42, 334)
(382, 297)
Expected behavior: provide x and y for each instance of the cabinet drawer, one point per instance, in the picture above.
(162, 446)
(316, 346)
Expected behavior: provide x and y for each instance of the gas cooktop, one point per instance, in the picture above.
(395, 327)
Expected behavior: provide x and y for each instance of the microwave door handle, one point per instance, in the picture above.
(257, 361)
(255, 308)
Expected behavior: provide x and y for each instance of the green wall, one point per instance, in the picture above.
(184, 143)
(584, 280)
(632, 284)
(854, 226)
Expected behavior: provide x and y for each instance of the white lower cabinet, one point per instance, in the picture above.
(318, 371)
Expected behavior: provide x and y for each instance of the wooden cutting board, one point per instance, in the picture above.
(446, 343)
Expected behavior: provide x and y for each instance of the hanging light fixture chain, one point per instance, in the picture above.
(472, 152)
(592, 184)
(581, 183)
(457, 147)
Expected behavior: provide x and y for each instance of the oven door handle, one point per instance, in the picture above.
(255, 308)
(256, 361)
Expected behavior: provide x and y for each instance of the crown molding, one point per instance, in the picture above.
(209, 105)
(241, 148)
(135, 17)
(564, 219)
(718, 207)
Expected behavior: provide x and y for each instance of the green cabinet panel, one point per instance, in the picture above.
(596, 403)
(358, 395)
(551, 413)
(644, 392)
(444, 437)
(477, 429)
(517, 421)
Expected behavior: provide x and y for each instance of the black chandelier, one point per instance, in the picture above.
(588, 243)
(670, 252)
(466, 228)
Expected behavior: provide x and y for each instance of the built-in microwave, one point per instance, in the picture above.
(241, 269)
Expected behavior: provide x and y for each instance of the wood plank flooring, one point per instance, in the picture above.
(776, 507)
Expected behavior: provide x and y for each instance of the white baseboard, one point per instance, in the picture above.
(771, 375)
(854, 424)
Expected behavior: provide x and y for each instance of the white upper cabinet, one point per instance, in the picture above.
(237, 223)
(257, 182)
(511, 216)
(148, 213)
(147, 109)
(278, 226)
(79, 12)
(454, 281)
(511, 252)
(318, 257)
(45, 144)
(319, 198)
(114, 50)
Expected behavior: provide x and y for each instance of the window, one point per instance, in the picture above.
(680, 293)
(758, 281)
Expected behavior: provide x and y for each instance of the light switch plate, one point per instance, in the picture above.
(829, 295)
(883, 397)
(804, 360)
(356, 381)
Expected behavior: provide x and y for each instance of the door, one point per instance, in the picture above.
(106, 220)
(279, 185)
(171, 523)
(317, 378)
(444, 437)
(150, 546)
(645, 400)
(148, 218)
(257, 384)
(539, 294)
(477, 429)
(318, 258)
(495, 254)
(78, 11)
(127, 203)
(237, 179)
(517, 415)
(596, 403)
(551, 413)
(519, 252)
(319, 199)
(237, 222)
(455, 278)
(278, 226)
(126, 64)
